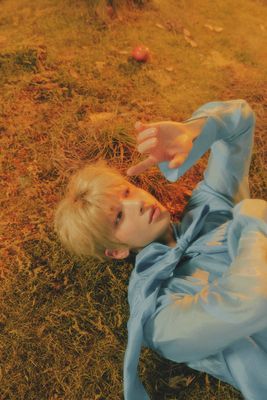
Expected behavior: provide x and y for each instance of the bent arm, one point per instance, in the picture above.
(234, 306)
(228, 131)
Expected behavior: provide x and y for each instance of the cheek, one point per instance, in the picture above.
(137, 232)
(129, 232)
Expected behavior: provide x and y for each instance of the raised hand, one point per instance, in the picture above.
(165, 141)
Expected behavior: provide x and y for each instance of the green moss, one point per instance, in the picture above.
(245, 58)
(130, 68)
(25, 60)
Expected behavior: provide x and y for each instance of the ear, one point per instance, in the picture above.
(117, 254)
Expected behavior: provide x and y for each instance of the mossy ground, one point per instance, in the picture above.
(71, 93)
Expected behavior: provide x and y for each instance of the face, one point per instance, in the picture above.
(131, 219)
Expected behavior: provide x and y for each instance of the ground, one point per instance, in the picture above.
(71, 93)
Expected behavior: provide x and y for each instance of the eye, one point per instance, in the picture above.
(119, 215)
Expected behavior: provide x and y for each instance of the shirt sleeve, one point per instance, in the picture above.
(192, 327)
(228, 132)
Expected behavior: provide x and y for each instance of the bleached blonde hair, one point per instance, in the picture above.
(83, 217)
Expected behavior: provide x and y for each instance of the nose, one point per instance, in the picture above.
(140, 206)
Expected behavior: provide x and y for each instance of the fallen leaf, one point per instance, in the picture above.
(210, 27)
(186, 32)
(218, 29)
(174, 26)
(160, 26)
(213, 28)
(190, 41)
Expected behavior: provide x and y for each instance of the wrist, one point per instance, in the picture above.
(195, 127)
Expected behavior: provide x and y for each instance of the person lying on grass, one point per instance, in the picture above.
(198, 289)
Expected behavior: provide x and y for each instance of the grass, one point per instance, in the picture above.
(71, 93)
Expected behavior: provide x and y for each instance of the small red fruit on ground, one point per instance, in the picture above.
(141, 53)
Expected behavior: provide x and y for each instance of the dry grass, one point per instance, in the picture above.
(70, 93)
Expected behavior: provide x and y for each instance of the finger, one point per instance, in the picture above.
(178, 160)
(146, 134)
(141, 167)
(140, 126)
(147, 145)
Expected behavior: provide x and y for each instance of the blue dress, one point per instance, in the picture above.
(204, 301)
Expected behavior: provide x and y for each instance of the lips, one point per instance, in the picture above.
(155, 212)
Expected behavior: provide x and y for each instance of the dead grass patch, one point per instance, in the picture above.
(70, 93)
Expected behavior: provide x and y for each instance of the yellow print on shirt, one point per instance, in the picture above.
(218, 237)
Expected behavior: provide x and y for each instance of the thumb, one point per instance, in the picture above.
(178, 160)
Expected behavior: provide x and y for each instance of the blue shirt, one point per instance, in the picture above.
(204, 301)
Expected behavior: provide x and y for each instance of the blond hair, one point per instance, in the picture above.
(83, 216)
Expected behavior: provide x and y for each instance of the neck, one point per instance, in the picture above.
(170, 237)
(167, 239)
